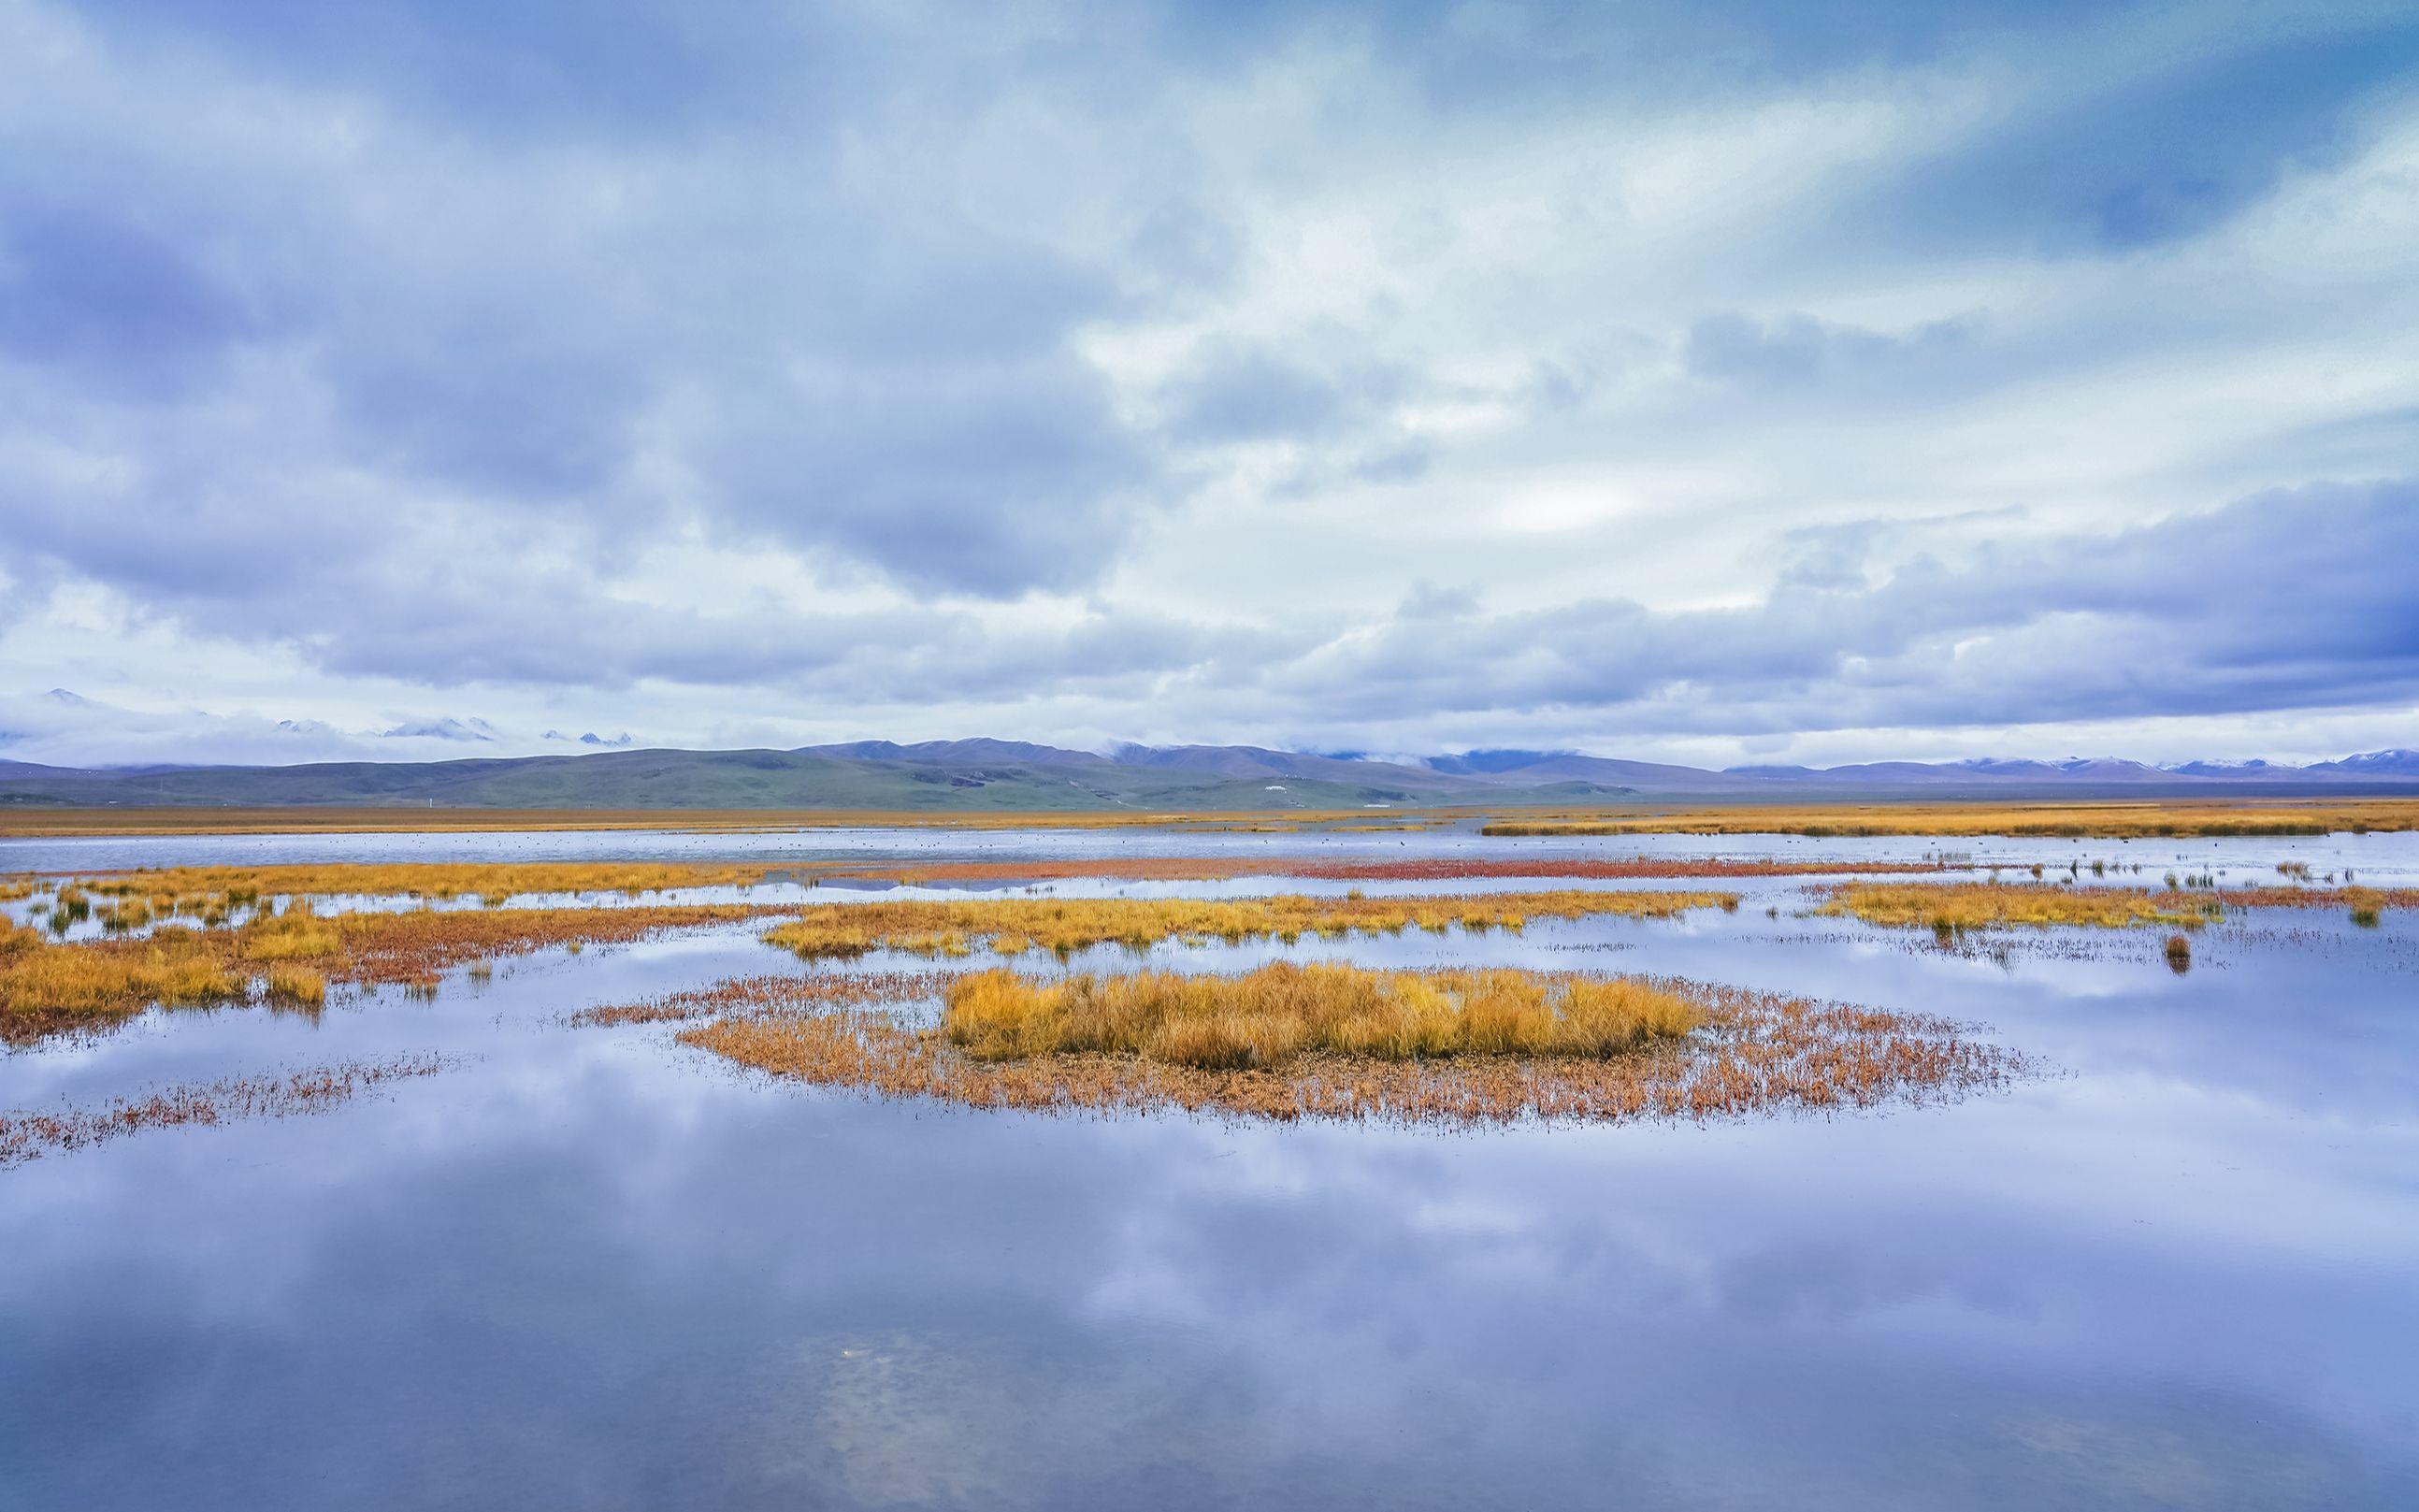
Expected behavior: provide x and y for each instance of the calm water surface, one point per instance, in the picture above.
(591, 1268)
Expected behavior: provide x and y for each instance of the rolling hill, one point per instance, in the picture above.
(997, 776)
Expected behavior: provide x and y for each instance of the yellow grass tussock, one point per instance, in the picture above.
(1265, 1017)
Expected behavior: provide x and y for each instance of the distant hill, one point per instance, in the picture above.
(909, 779)
(997, 776)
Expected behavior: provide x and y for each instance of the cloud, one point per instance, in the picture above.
(2201, 614)
(1799, 351)
(1079, 371)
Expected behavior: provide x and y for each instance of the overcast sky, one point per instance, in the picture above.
(1817, 381)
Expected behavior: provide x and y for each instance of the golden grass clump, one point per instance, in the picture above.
(297, 933)
(1265, 1017)
(45, 985)
(297, 985)
(951, 927)
(1247, 1048)
(49, 987)
(1953, 907)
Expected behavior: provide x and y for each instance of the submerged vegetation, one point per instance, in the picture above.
(1521, 1045)
(28, 1135)
(2113, 821)
(787, 992)
(1012, 925)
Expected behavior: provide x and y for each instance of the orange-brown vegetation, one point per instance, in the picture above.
(1751, 1052)
(2359, 900)
(2112, 820)
(47, 986)
(1954, 906)
(784, 993)
(25, 1136)
(1218, 868)
(1011, 926)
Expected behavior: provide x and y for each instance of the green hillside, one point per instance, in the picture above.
(750, 779)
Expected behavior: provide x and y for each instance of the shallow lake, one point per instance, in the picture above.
(592, 1268)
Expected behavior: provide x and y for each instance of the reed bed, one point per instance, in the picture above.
(2358, 899)
(25, 1136)
(1267, 1017)
(1957, 906)
(1012, 926)
(1749, 1053)
(784, 993)
(49, 987)
(1220, 868)
(2111, 821)
(45, 985)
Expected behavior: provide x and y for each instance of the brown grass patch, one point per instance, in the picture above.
(952, 927)
(25, 1136)
(1749, 1053)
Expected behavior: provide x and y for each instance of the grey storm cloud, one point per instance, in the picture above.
(1343, 370)
(2280, 600)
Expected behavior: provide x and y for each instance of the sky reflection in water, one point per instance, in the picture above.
(591, 1268)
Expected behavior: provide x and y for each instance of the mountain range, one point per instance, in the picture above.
(1006, 775)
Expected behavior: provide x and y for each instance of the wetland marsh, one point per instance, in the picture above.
(1404, 1168)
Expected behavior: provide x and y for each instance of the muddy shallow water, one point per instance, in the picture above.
(589, 1267)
